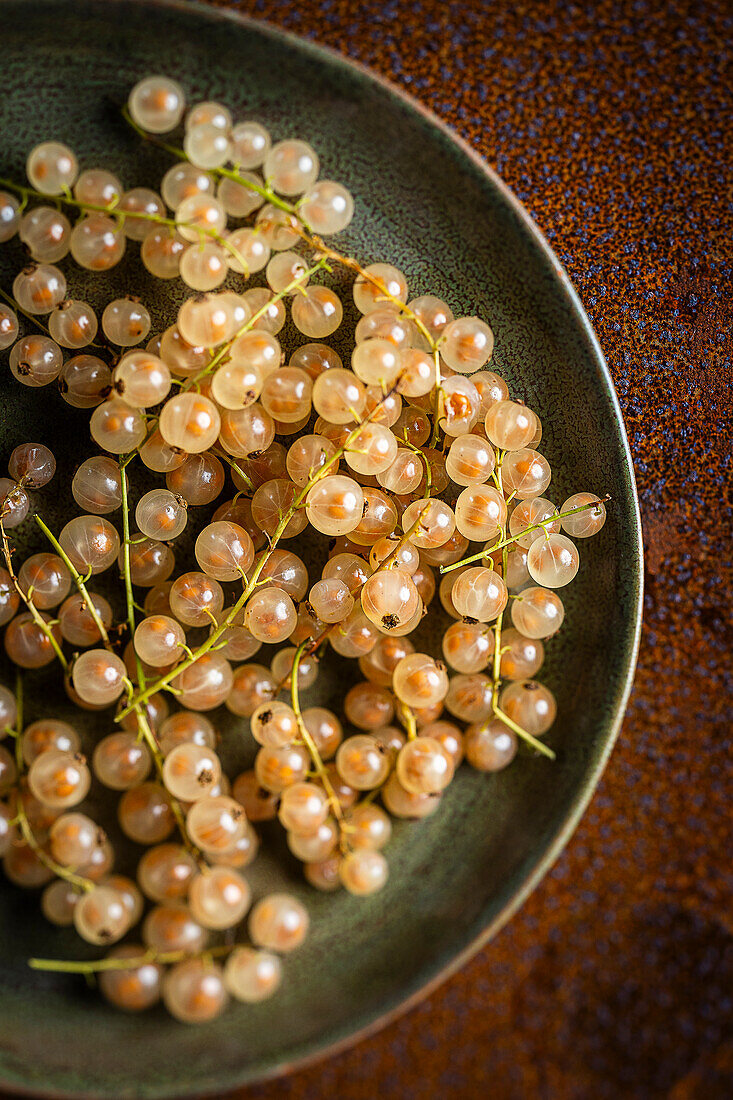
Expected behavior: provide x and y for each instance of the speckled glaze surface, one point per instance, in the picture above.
(423, 202)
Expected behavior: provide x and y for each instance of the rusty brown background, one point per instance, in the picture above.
(613, 124)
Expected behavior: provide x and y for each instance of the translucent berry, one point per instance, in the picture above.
(101, 916)
(586, 523)
(219, 898)
(51, 168)
(490, 746)
(156, 104)
(59, 779)
(363, 872)
(191, 771)
(194, 991)
(279, 923)
(98, 677)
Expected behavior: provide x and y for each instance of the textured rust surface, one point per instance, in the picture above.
(611, 122)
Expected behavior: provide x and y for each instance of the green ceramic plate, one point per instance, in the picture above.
(427, 203)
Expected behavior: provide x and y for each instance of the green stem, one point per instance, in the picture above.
(149, 738)
(437, 398)
(205, 646)
(226, 347)
(93, 966)
(35, 613)
(404, 538)
(249, 588)
(497, 476)
(228, 173)
(223, 351)
(122, 215)
(19, 309)
(407, 718)
(260, 189)
(62, 872)
(234, 465)
(522, 733)
(542, 525)
(143, 724)
(78, 581)
(129, 600)
(307, 738)
(496, 676)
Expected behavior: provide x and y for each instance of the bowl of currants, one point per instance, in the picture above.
(319, 551)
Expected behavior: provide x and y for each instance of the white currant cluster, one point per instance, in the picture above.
(403, 457)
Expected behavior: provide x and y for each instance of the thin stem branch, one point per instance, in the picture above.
(234, 466)
(260, 189)
(497, 628)
(407, 718)
(320, 245)
(542, 525)
(164, 681)
(228, 173)
(545, 750)
(404, 538)
(307, 738)
(94, 966)
(143, 724)
(113, 210)
(126, 573)
(225, 348)
(58, 869)
(27, 600)
(149, 738)
(249, 588)
(437, 398)
(78, 581)
(19, 309)
(497, 475)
